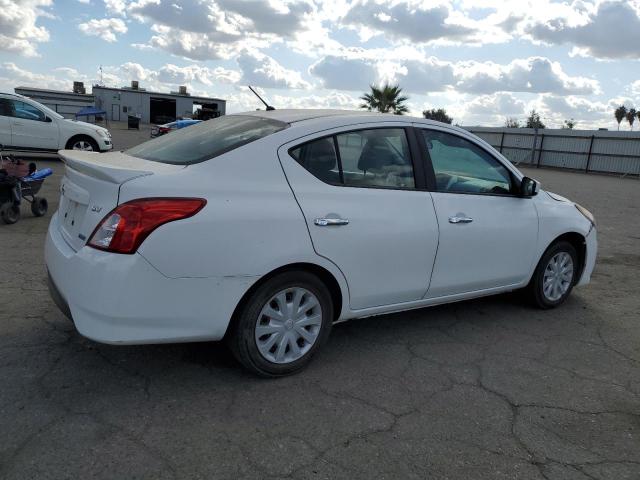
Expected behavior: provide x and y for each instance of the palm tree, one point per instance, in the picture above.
(631, 117)
(620, 114)
(386, 99)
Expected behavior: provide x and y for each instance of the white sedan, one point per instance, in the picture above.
(266, 228)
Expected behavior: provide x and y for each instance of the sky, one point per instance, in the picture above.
(481, 60)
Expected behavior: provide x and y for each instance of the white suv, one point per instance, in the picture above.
(27, 125)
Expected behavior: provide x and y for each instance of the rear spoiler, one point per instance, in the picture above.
(113, 167)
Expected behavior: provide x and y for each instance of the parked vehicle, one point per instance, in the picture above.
(265, 228)
(26, 125)
(158, 130)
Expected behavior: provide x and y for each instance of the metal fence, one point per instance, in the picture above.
(586, 150)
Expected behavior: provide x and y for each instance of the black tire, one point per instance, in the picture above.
(39, 206)
(9, 213)
(71, 144)
(241, 337)
(535, 289)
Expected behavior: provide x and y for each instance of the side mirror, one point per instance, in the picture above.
(48, 119)
(529, 187)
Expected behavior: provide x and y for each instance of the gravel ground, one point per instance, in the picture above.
(485, 389)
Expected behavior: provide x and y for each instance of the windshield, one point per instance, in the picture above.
(206, 140)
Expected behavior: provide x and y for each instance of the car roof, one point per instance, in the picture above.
(313, 116)
(290, 115)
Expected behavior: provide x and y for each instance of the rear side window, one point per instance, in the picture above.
(365, 158)
(206, 140)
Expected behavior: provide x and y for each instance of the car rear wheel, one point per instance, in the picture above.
(84, 143)
(555, 276)
(282, 324)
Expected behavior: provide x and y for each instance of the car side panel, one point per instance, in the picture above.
(250, 226)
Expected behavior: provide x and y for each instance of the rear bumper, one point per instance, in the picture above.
(591, 254)
(122, 299)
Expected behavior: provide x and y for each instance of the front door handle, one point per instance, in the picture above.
(460, 218)
(329, 222)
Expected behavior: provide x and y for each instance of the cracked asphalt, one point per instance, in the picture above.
(485, 389)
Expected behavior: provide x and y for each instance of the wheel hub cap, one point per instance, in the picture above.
(288, 325)
(558, 276)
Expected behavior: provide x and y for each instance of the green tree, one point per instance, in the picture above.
(631, 117)
(439, 115)
(534, 121)
(570, 124)
(385, 99)
(511, 122)
(620, 113)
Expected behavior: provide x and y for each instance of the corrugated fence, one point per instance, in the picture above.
(586, 150)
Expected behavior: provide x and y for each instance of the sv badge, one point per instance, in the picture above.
(96, 209)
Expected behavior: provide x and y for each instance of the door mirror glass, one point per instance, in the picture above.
(529, 187)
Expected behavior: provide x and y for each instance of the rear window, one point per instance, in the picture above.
(206, 140)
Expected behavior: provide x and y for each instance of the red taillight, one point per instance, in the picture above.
(164, 129)
(126, 227)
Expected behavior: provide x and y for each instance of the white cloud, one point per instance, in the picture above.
(244, 100)
(411, 20)
(610, 30)
(115, 7)
(358, 69)
(19, 32)
(345, 73)
(210, 30)
(11, 76)
(587, 113)
(533, 75)
(264, 71)
(501, 104)
(105, 28)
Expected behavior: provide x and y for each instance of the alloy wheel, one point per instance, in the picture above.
(83, 145)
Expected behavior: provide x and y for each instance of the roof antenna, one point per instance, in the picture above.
(269, 107)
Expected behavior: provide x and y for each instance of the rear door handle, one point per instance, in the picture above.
(329, 222)
(460, 218)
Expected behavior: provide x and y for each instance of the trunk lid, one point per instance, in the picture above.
(90, 188)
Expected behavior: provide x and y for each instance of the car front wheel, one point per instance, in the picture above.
(555, 275)
(84, 143)
(282, 324)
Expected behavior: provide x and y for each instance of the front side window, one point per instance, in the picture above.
(462, 167)
(206, 140)
(27, 112)
(365, 158)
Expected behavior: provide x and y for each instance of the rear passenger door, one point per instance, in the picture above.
(367, 210)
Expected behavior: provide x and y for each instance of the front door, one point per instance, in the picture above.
(359, 197)
(488, 234)
(115, 113)
(32, 129)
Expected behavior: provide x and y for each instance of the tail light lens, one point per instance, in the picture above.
(124, 229)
